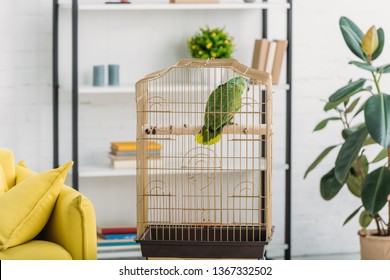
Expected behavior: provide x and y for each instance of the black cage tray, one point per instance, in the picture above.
(203, 242)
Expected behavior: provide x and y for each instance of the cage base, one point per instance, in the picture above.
(203, 242)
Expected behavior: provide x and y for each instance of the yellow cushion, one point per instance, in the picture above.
(3, 182)
(36, 250)
(22, 172)
(26, 208)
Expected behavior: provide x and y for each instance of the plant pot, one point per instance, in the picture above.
(373, 247)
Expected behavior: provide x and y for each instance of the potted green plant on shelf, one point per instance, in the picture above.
(211, 43)
(363, 109)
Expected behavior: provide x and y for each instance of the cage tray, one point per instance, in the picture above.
(203, 242)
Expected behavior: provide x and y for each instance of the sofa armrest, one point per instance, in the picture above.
(73, 225)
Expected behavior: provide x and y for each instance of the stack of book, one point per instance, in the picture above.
(268, 56)
(124, 154)
(116, 238)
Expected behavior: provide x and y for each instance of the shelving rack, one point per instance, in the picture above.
(76, 90)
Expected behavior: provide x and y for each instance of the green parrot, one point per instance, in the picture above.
(221, 106)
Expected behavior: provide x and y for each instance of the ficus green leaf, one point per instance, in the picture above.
(352, 106)
(348, 22)
(323, 123)
(377, 118)
(364, 65)
(375, 189)
(348, 153)
(347, 91)
(361, 108)
(384, 69)
(348, 131)
(329, 185)
(321, 156)
(353, 184)
(381, 39)
(331, 105)
(350, 217)
(365, 219)
(369, 141)
(361, 163)
(380, 156)
(352, 36)
(353, 43)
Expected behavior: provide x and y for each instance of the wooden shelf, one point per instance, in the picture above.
(91, 170)
(87, 90)
(173, 7)
(106, 89)
(130, 89)
(99, 170)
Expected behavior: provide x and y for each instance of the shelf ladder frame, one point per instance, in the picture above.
(75, 96)
(287, 237)
(75, 90)
(287, 229)
(55, 86)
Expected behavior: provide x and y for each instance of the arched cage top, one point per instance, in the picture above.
(257, 77)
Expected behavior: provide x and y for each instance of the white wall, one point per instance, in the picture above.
(320, 66)
(25, 80)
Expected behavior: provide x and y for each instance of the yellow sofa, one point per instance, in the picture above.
(40, 217)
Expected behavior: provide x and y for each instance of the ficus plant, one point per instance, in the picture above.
(363, 109)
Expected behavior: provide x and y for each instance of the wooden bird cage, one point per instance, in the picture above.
(195, 200)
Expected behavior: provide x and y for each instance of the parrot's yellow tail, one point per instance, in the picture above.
(205, 137)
